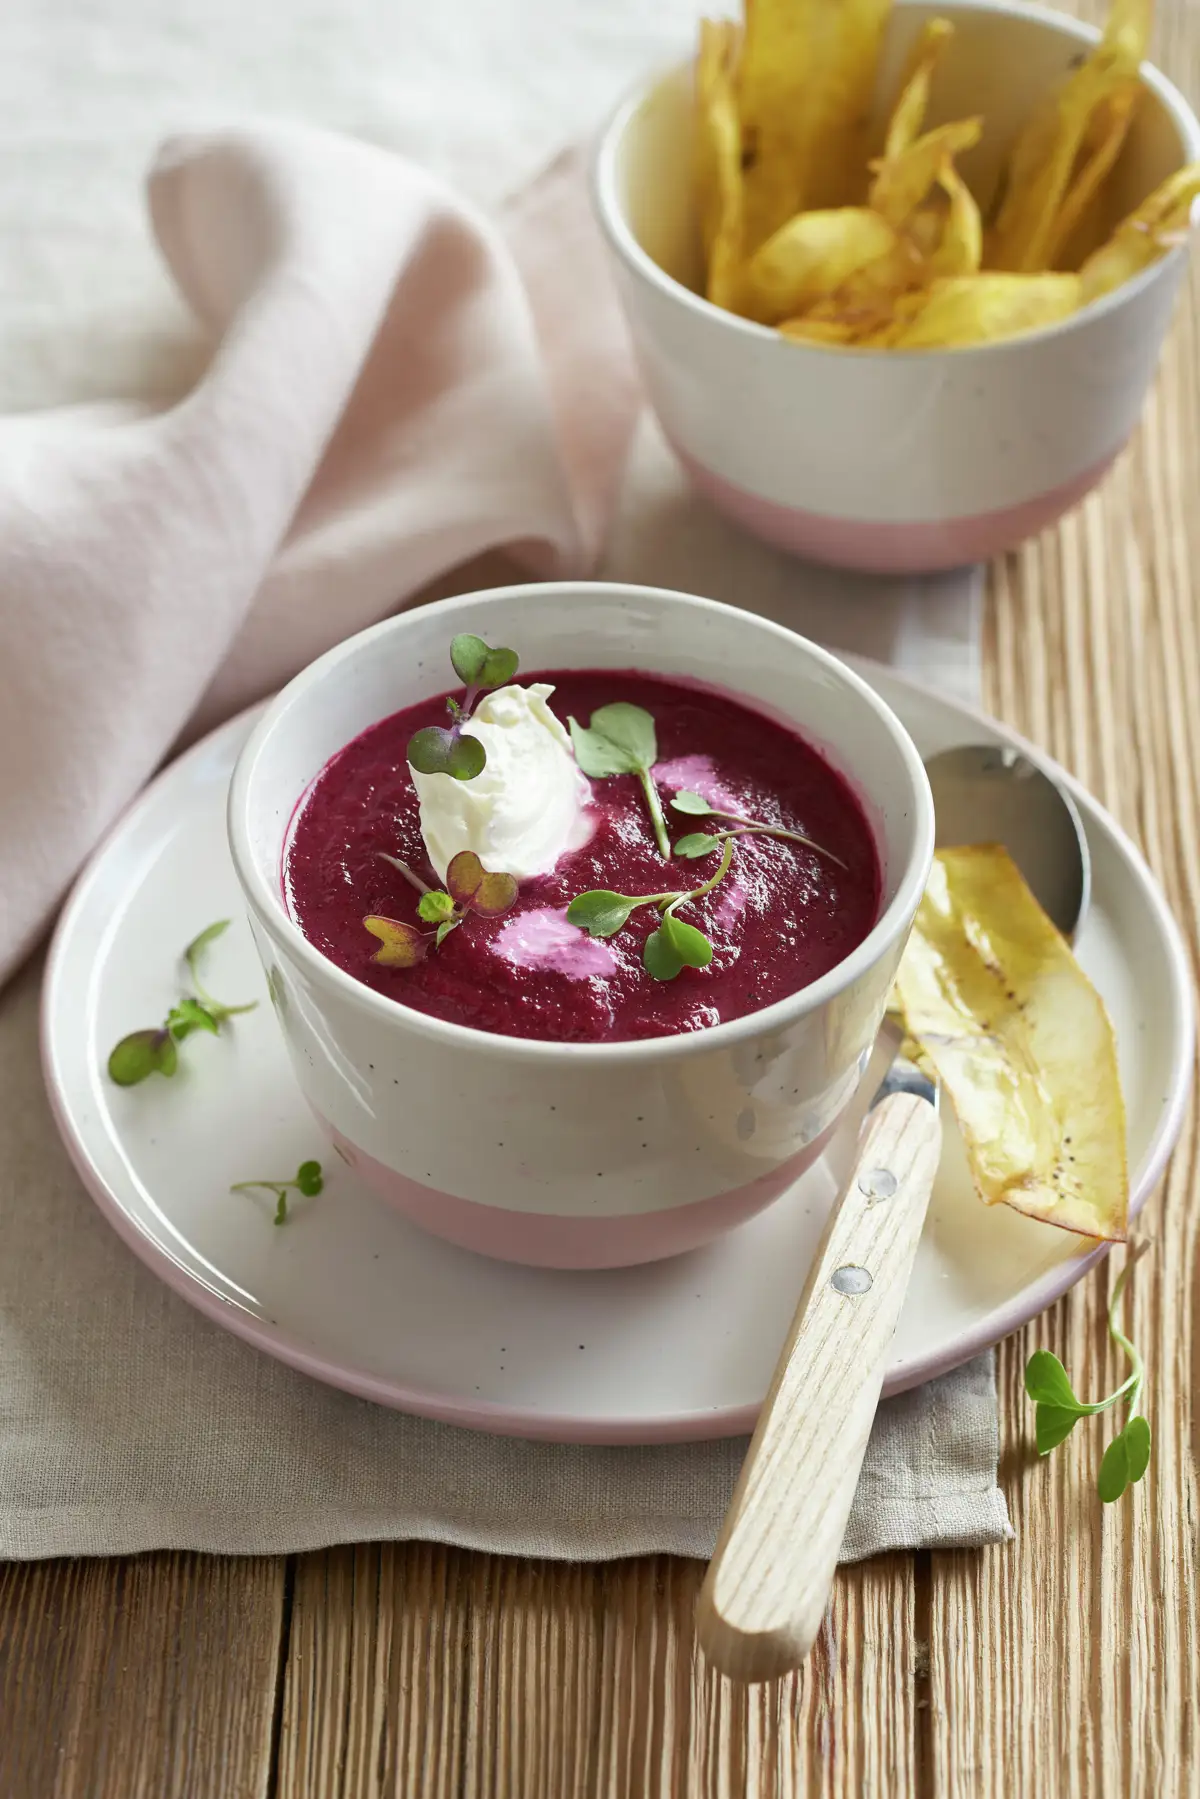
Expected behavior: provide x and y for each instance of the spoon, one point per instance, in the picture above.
(768, 1584)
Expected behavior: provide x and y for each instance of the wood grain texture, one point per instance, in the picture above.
(151, 1678)
(766, 1590)
(1072, 1666)
(430, 1672)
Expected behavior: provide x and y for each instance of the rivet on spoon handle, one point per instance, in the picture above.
(767, 1587)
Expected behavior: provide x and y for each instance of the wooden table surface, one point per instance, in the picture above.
(1065, 1664)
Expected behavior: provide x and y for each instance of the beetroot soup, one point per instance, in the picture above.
(778, 914)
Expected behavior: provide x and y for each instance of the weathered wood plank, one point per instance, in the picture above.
(149, 1678)
(429, 1672)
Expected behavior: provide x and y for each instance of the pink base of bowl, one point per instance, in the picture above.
(543, 1240)
(886, 547)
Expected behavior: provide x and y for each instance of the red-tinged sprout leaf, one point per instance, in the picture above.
(472, 886)
(403, 946)
(434, 751)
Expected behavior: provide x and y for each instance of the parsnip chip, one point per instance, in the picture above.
(719, 160)
(811, 256)
(1021, 1043)
(908, 114)
(976, 309)
(1159, 222)
(959, 250)
(1045, 157)
(902, 182)
(804, 92)
(1103, 142)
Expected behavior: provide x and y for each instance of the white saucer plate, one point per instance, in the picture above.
(354, 1295)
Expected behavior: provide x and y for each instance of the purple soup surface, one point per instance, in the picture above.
(782, 917)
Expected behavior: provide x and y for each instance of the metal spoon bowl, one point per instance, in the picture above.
(987, 793)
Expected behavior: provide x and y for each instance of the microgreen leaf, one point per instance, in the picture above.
(402, 945)
(660, 957)
(601, 913)
(1059, 1410)
(1046, 1381)
(1137, 1447)
(694, 804)
(691, 946)
(1114, 1471)
(697, 843)
(140, 1054)
(444, 930)
(1053, 1424)
(477, 665)
(674, 947)
(620, 740)
(435, 906)
(309, 1179)
(434, 751)
(188, 1016)
(474, 886)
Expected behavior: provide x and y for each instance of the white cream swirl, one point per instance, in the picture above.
(529, 805)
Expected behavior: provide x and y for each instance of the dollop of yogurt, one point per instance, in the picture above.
(528, 807)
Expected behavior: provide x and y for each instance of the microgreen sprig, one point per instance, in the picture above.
(470, 887)
(702, 843)
(445, 750)
(675, 945)
(1059, 1411)
(152, 1051)
(621, 740)
(308, 1180)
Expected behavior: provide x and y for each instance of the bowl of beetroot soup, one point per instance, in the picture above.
(570, 1069)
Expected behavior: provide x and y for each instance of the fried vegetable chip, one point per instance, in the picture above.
(804, 91)
(908, 114)
(1159, 222)
(975, 309)
(902, 182)
(719, 160)
(812, 256)
(1021, 1043)
(1045, 156)
(802, 232)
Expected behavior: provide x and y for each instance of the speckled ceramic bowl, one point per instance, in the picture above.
(578, 1155)
(884, 460)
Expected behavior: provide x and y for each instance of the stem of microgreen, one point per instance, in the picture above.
(307, 1180)
(152, 1051)
(700, 844)
(654, 806)
(1059, 1411)
(410, 875)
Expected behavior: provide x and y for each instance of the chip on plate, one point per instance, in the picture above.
(1004, 1017)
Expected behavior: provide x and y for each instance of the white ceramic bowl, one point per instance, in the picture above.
(884, 460)
(571, 1155)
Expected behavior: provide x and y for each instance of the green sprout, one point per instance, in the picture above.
(1058, 1410)
(152, 1050)
(675, 945)
(621, 740)
(702, 843)
(444, 750)
(469, 888)
(307, 1180)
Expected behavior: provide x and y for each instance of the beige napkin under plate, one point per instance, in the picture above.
(129, 1422)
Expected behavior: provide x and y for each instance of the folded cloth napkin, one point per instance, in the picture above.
(395, 388)
(388, 395)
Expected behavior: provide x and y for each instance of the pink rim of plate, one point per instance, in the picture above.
(675, 1427)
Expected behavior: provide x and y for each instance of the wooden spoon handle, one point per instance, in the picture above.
(768, 1584)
